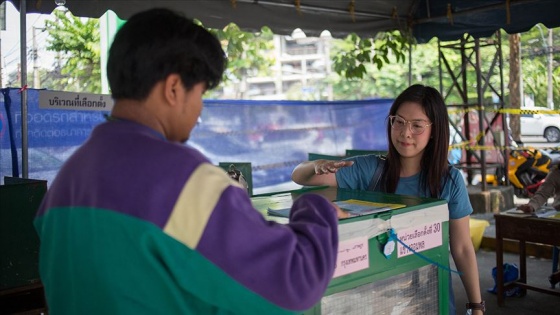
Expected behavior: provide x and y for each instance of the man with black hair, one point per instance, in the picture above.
(137, 222)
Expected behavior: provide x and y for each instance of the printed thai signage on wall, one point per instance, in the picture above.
(60, 126)
(74, 101)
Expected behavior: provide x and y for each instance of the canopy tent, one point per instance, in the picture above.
(444, 19)
(424, 19)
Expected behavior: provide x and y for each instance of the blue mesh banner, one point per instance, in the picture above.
(274, 136)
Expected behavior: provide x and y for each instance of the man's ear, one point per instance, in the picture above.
(171, 88)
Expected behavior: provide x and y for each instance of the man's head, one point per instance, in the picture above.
(153, 44)
(160, 64)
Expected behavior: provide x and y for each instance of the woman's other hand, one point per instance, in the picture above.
(525, 208)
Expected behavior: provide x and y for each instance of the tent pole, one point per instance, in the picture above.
(410, 64)
(23, 54)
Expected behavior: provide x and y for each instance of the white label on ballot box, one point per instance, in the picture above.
(353, 255)
(420, 238)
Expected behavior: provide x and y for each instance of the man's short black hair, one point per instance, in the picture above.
(155, 43)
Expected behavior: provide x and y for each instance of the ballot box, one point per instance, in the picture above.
(21, 290)
(393, 255)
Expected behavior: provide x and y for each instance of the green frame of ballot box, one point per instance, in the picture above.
(382, 268)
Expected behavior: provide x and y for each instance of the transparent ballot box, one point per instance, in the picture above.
(393, 255)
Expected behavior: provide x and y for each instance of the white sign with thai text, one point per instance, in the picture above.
(353, 255)
(420, 238)
(74, 101)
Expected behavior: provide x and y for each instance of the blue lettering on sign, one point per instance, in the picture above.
(3, 125)
(274, 136)
(48, 128)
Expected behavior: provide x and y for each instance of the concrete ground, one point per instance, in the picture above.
(533, 303)
(538, 270)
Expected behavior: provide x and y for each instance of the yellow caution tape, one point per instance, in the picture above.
(518, 111)
(468, 147)
(525, 111)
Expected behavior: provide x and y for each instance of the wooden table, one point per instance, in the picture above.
(523, 228)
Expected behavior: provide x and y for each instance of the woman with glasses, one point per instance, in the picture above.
(416, 164)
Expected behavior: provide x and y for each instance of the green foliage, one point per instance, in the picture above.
(363, 68)
(393, 77)
(77, 40)
(247, 52)
(353, 54)
(534, 53)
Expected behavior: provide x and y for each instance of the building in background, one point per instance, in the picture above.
(301, 70)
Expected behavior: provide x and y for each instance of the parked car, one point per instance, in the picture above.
(543, 125)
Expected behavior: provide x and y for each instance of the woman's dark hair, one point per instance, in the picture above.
(434, 164)
(152, 45)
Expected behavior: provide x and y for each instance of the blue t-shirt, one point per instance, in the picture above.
(358, 176)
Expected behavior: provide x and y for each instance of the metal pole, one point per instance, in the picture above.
(549, 96)
(410, 64)
(2, 28)
(1, 80)
(23, 56)
(481, 113)
(34, 55)
(547, 48)
(505, 126)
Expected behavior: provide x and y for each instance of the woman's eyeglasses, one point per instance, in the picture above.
(416, 127)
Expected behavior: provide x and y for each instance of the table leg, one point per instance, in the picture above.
(555, 254)
(523, 264)
(499, 265)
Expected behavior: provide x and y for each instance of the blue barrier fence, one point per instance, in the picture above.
(274, 136)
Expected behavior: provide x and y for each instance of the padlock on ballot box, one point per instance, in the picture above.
(236, 175)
